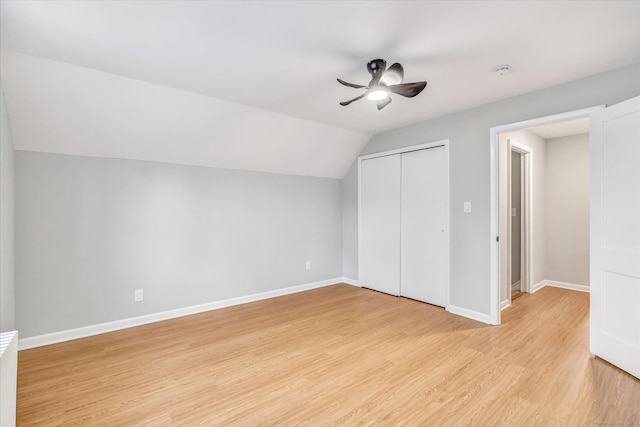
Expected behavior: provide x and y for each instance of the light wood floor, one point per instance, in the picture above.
(515, 295)
(337, 355)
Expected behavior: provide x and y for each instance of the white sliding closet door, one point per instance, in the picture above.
(380, 227)
(424, 222)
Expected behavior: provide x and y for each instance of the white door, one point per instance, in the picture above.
(380, 227)
(424, 248)
(615, 235)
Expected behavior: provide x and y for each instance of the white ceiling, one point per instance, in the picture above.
(560, 129)
(283, 57)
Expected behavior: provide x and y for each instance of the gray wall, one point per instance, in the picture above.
(468, 132)
(89, 231)
(567, 209)
(350, 222)
(7, 308)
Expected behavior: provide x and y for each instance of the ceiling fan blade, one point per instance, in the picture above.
(350, 84)
(384, 102)
(408, 89)
(393, 75)
(345, 103)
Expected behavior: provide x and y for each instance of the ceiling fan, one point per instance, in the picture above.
(383, 82)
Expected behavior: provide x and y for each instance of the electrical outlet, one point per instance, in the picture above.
(138, 295)
(308, 265)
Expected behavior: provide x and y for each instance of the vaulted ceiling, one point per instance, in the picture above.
(251, 85)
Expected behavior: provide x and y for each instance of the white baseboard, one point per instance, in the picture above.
(515, 285)
(504, 304)
(86, 331)
(538, 286)
(349, 281)
(480, 317)
(565, 285)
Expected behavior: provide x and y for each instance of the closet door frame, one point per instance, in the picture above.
(444, 143)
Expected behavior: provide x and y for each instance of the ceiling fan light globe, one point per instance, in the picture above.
(377, 94)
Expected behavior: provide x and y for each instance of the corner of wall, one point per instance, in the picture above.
(350, 222)
(7, 179)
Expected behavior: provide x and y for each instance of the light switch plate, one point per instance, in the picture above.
(467, 207)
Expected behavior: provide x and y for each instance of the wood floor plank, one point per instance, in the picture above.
(338, 355)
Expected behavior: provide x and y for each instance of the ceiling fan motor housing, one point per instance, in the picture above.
(375, 66)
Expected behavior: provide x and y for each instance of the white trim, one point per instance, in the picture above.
(448, 226)
(351, 282)
(526, 217)
(506, 216)
(8, 377)
(359, 173)
(86, 331)
(537, 286)
(505, 304)
(494, 259)
(565, 285)
(515, 285)
(441, 143)
(526, 212)
(480, 317)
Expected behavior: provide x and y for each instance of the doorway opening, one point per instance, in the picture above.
(510, 145)
(518, 221)
(516, 152)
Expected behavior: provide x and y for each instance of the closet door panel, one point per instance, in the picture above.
(424, 212)
(380, 227)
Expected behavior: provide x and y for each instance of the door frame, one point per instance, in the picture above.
(494, 209)
(441, 143)
(526, 216)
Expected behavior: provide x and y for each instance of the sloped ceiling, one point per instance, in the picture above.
(251, 85)
(62, 108)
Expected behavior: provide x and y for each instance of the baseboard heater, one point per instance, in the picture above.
(8, 377)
